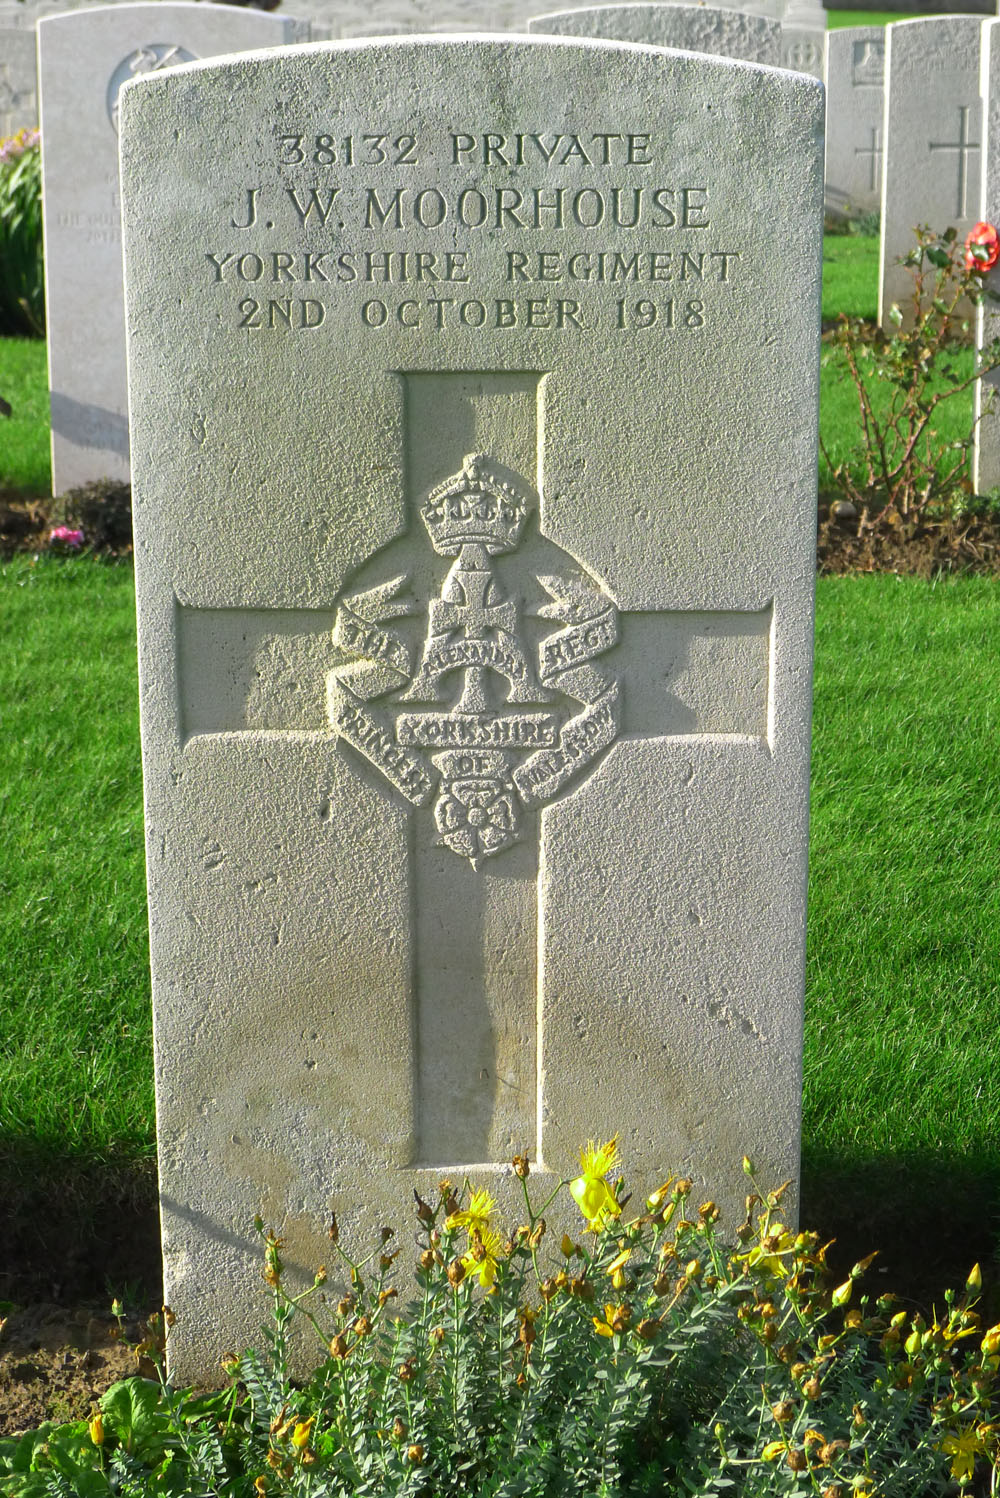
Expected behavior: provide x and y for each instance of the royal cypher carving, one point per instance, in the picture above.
(478, 721)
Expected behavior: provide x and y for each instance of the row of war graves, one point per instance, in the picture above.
(474, 585)
(906, 111)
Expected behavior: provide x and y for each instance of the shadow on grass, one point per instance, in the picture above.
(77, 1227)
(932, 1214)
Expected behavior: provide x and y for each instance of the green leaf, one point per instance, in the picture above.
(134, 1412)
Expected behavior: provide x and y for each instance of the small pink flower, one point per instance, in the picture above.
(66, 535)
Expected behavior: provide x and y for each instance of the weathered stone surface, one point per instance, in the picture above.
(83, 59)
(855, 99)
(18, 89)
(473, 392)
(932, 137)
(695, 28)
(986, 448)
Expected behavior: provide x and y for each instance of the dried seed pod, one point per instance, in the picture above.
(424, 1212)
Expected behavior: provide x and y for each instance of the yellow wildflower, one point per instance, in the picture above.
(991, 1341)
(590, 1190)
(659, 1196)
(616, 1269)
(768, 1254)
(963, 1448)
(302, 1432)
(476, 1216)
(773, 1450)
(485, 1248)
(616, 1320)
(96, 1429)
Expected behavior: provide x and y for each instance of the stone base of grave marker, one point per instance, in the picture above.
(473, 388)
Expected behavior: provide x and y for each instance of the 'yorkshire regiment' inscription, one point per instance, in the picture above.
(473, 745)
(546, 231)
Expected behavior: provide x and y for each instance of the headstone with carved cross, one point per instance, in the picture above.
(84, 57)
(932, 136)
(18, 89)
(719, 30)
(855, 95)
(473, 388)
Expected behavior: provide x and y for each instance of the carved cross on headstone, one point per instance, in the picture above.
(874, 154)
(480, 695)
(963, 147)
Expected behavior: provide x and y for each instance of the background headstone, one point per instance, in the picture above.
(83, 59)
(18, 87)
(932, 137)
(855, 96)
(695, 28)
(447, 375)
(986, 447)
(803, 37)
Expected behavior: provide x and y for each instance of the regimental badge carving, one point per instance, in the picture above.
(802, 55)
(868, 64)
(489, 698)
(147, 59)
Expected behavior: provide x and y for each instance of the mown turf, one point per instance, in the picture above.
(76, 1106)
(837, 18)
(902, 1097)
(24, 436)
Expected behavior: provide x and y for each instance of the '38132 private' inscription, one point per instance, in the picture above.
(545, 231)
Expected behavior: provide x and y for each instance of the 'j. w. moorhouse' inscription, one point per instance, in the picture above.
(544, 231)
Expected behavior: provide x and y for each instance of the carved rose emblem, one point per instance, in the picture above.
(476, 815)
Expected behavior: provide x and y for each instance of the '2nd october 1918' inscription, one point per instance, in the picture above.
(546, 231)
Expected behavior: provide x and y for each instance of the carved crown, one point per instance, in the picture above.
(475, 505)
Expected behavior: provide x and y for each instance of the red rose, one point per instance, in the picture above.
(982, 248)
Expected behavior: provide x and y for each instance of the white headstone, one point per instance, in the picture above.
(932, 137)
(695, 28)
(474, 521)
(855, 95)
(84, 57)
(803, 37)
(18, 89)
(986, 448)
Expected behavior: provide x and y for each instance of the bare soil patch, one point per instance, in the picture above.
(919, 548)
(55, 1363)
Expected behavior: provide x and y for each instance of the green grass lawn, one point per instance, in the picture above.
(837, 18)
(24, 436)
